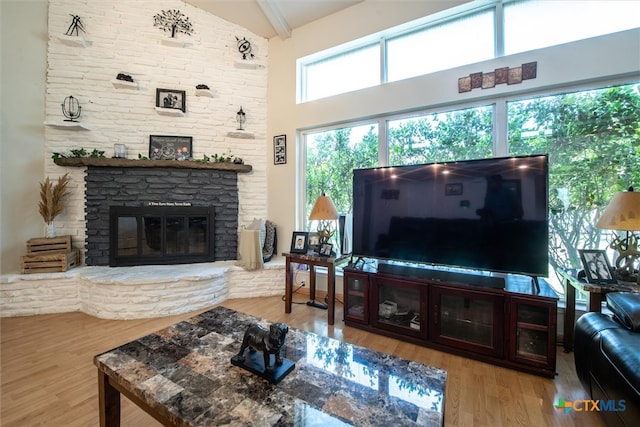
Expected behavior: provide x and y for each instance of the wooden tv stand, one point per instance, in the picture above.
(499, 319)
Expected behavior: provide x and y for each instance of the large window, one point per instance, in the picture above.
(593, 144)
(467, 34)
(592, 138)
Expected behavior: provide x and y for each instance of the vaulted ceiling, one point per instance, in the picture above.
(270, 18)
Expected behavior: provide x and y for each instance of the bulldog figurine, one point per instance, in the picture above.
(268, 341)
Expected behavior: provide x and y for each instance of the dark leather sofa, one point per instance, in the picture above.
(607, 358)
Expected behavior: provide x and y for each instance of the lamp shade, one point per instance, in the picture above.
(622, 213)
(324, 209)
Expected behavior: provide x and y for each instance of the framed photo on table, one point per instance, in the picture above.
(299, 242)
(280, 150)
(325, 249)
(596, 266)
(314, 241)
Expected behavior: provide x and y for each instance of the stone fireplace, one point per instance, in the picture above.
(185, 212)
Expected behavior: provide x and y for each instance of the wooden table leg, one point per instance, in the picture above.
(331, 291)
(569, 315)
(109, 402)
(595, 301)
(288, 287)
(312, 283)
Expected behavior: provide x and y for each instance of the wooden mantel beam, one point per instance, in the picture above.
(140, 163)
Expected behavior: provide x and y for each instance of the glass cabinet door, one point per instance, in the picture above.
(467, 320)
(356, 297)
(533, 334)
(399, 306)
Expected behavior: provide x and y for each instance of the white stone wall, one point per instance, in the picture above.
(120, 38)
(136, 292)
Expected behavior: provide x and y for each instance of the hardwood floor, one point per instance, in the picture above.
(48, 377)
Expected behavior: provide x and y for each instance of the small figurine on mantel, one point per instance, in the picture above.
(268, 341)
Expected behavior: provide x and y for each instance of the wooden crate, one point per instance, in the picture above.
(49, 263)
(53, 245)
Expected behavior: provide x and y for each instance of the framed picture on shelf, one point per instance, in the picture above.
(325, 249)
(596, 266)
(280, 150)
(165, 147)
(171, 98)
(299, 242)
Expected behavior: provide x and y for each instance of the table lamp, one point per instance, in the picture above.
(325, 212)
(623, 213)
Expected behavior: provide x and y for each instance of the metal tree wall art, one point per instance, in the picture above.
(173, 20)
(71, 109)
(244, 47)
(75, 26)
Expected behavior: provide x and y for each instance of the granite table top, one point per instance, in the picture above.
(184, 373)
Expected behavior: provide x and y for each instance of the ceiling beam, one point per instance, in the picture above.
(277, 20)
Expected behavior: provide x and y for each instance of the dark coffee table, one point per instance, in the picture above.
(182, 376)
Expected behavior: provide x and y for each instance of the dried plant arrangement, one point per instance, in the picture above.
(51, 198)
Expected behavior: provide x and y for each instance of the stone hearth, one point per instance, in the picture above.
(136, 292)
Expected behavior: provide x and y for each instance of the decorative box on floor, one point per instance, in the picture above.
(49, 255)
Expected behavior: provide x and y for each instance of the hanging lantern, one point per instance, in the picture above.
(71, 109)
(240, 118)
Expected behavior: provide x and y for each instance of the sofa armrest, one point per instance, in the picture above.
(626, 308)
(586, 344)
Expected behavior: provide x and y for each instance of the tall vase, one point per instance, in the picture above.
(50, 230)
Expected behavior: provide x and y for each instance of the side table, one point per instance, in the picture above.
(312, 260)
(596, 293)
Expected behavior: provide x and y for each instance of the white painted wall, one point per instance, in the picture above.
(23, 39)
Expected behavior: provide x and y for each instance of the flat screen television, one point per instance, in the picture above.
(488, 214)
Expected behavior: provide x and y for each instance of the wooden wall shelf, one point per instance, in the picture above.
(137, 163)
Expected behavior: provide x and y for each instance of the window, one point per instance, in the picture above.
(441, 47)
(564, 21)
(352, 70)
(332, 155)
(591, 138)
(470, 33)
(439, 137)
(594, 151)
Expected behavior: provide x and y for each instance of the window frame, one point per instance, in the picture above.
(418, 25)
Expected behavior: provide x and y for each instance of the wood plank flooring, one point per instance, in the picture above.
(48, 377)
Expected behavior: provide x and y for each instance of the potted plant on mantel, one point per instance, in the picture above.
(51, 202)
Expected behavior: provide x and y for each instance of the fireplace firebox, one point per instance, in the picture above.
(160, 235)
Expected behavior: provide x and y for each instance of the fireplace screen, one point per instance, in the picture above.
(160, 235)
